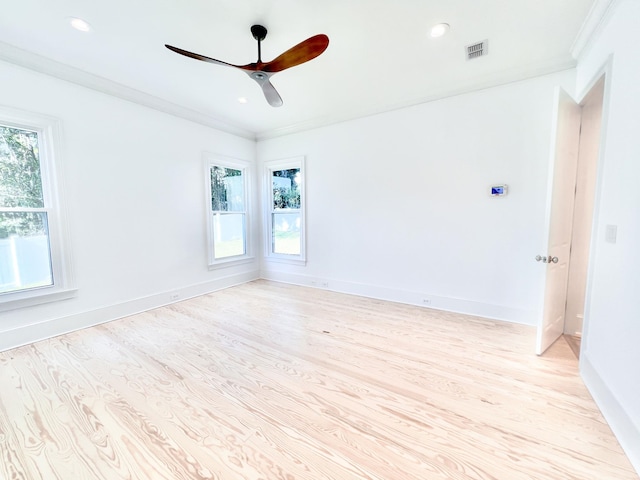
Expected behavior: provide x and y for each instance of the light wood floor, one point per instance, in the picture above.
(269, 381)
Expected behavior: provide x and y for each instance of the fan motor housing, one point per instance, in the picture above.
(259, 32)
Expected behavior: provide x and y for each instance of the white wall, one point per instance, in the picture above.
(134, 185)
(397, 208)
(611, 351)
(398, 204)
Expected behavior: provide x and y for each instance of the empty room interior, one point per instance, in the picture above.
(340, 240)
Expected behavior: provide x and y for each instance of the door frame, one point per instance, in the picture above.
(604, 73)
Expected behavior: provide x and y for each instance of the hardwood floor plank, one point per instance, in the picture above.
(271, 381)
(447, 390)
(370, 381)
(281, 406)
(142, 380)
(13, 462)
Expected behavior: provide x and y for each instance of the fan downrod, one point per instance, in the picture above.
(259, 33)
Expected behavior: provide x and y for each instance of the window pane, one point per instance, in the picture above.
(20, 181)
(229, 233)
(25, 256)
(286, 233)
(227, 190)
(286, 188)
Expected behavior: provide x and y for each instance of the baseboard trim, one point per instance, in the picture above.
(27, 334)
(623, 427)
(457, 305)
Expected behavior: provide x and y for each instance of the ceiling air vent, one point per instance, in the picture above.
(476, 50)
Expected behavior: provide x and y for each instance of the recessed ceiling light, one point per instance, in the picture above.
(79, 24)
(439, 29)
(242, 100)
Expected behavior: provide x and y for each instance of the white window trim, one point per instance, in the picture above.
(49, 142)
(269, 167)
(211, 160)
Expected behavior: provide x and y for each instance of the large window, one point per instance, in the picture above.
(286, 210)
(228, 214)
(32, 266)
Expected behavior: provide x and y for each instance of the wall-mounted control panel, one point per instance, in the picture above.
(498, 190)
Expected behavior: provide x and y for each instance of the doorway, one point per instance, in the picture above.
(571, 220)
(583, 214)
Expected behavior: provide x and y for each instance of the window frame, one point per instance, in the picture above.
(63, 286)
(269, 168)
(214, 160)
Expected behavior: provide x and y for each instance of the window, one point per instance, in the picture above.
(285, 203)
(33, 268)
(227, 210)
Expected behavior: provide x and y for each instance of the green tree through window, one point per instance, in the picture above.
(20, 183)
(287, 196)
(228, 212)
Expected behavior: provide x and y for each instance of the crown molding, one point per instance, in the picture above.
(592, 26)
(501, 78)
(38, 63)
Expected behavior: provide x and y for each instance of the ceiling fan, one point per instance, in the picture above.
(262, 71)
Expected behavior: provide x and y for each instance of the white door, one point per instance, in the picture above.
(556, 259)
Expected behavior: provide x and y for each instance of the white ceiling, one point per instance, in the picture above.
(380, 54)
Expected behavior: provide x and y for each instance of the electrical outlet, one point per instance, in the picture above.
(426, 301)
(324, 284)
(174, 296)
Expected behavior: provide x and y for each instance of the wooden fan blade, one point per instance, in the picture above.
(301, 53)
(197, 56)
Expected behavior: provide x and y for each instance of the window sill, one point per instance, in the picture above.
(13, 301)
(231, 263)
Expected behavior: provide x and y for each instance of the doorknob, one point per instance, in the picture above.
(549, 259)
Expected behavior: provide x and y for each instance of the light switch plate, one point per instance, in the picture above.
(611, 234)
